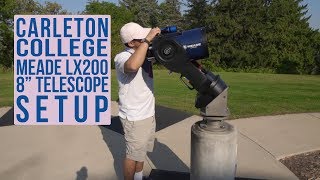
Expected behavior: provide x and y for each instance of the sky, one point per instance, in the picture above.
(75, 6)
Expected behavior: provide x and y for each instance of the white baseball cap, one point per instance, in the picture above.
(131, 31)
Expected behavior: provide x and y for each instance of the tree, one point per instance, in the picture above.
(119, 16)
(197, 13)
(292, 36)
(8, 8)
(27, 7)
(170, 14)
(316, 46)
(6, 45)
(263, 34)
(52, 8)
(145, 12)
(233, 31)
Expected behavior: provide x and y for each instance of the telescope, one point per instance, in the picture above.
(213, 141)
(179, 51)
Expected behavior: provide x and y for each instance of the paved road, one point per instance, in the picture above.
(96, 152)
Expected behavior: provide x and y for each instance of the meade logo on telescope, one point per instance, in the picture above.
(62, 70)
(191, 46)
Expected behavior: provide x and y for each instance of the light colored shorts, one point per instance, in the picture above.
(139, 137)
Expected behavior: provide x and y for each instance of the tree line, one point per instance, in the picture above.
(244, 35)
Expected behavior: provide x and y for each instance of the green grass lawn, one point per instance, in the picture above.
(250, 94)
(6, 89)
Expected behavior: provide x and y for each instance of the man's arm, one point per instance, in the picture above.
(137, 58)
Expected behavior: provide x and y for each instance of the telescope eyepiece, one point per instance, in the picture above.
(167, 51)
(169, 29)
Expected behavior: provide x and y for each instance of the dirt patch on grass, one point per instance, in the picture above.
(304, 166)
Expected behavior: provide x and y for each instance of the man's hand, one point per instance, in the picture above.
(153, 33)
(137, 58)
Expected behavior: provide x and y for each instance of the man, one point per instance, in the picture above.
(136, 98)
